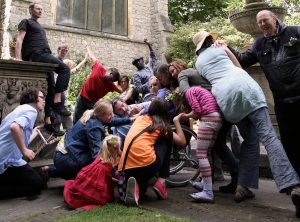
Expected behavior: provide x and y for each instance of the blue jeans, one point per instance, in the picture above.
(64, 166)
(257, 127)
(121, 131)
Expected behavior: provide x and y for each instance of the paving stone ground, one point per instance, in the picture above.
(268, 205)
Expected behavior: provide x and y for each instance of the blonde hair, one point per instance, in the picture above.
(100, 108)
(178, 64)
(110, 149)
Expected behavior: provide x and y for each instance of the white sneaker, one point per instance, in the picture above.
(198, 185)
(204, 197)
(132, 193)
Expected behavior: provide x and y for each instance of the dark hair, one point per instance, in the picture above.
(62, 46)
(123, 77)
(115, 73)
(31, 6)
(114, 102)
(160, 115)
(29, 96)
(206, 44)
(162, 69)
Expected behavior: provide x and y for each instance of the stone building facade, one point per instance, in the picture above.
(145, 18)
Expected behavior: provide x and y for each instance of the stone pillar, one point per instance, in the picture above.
(160, 27)
(258, 75)
(16, 77)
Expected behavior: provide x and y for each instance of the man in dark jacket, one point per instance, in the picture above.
(278, 52)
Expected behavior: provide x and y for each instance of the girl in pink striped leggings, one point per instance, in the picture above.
(205, 108)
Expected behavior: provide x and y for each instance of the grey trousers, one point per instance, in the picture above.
(257, 127)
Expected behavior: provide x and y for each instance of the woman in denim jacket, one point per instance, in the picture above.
(82, 142)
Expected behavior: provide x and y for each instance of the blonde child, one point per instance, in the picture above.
(93, 186)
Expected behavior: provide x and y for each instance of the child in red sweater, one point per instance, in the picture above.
(93, 186)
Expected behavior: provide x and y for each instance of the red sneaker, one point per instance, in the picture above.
(160, 190)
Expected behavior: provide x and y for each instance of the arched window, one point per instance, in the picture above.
(100, 15)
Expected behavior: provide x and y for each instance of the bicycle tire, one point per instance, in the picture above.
(184, 169)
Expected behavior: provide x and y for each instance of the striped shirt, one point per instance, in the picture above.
(201, 101)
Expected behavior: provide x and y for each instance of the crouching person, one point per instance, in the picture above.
(147, 150)
(17, 178)
(93, 186)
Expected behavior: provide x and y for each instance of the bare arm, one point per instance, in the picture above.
(89, 52)
(80, 65)
(128, 94)
(17, 134)
(178, 136)
(231, 56)
(19, 42)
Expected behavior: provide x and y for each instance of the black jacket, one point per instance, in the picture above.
(279, 57)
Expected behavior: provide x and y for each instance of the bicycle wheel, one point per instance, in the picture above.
(183, 162)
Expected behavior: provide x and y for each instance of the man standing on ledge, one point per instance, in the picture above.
(32, 45)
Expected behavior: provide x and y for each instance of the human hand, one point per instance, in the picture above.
(147, 41)
(133, 118)
(219, 43)
(84, 43)
(178, 117)
(28, 154)
(184, 117)
(135, 111)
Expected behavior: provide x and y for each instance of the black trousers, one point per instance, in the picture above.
(62, 80)
(224, 153)
(160, 167)
(82, 105)
(20, 181)
(288, 119)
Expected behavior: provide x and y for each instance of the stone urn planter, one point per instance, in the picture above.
(245, 20)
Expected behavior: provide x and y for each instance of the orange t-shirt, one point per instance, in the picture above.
(141, 152)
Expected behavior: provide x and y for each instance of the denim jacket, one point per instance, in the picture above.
(83, 142)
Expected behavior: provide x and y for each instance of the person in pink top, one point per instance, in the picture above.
(96, 86)
(205, 108)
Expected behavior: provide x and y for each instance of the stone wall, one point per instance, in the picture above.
(16, 77)
(145, 19)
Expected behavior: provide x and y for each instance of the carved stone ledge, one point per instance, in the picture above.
(16, 77)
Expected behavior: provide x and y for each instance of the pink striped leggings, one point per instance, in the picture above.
(209, 127)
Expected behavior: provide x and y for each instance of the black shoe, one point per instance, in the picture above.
(230, 188)
(56, 132)
(61, 109)
(296, 200)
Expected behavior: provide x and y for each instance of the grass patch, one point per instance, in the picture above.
(117, 212)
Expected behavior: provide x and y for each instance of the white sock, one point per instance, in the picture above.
(207, 183)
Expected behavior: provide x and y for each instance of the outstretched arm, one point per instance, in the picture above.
(80, 65)
(153, 58)
(89, 52)
(231, 56)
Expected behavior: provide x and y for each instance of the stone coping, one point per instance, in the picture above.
(6, 64)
